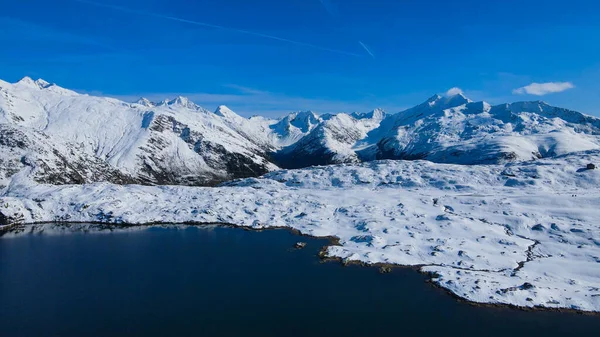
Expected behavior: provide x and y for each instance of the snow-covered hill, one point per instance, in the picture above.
(525, 233)
(178, 142)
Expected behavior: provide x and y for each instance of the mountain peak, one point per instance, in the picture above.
(456, 100)
(305, 114)
(26, 80)
(305, 120)
(29, 82)
(145, 102)
(181, 101)
(378, 114)
(433, 99)
(224, 111)
(446, 102)
(42, 84)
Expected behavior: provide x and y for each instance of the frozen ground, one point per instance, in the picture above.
(525, 234)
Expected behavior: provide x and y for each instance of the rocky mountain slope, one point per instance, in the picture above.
(66, 137)
(171, 142)
(331, 142)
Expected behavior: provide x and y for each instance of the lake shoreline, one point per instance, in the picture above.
(322, 255)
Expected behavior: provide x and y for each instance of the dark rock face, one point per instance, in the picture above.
(591, 167)
(51, 164)
(314, 148)
(234, 165)
(538, 228)
(11, 137)
(6, 220)
(80, 171)
(526, 286)
(386, 151)
(299, 158)
(223, 165)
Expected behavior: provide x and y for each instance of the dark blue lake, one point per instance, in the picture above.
(231, 282)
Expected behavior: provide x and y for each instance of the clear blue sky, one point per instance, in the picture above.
(270, 57)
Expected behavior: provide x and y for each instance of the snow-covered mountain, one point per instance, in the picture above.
(331, 142)
(67, 137)
(457, 130)
(294, 127)
(171, 142)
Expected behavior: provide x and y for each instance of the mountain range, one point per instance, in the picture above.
(64, 137)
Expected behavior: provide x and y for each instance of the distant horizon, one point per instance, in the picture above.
(155, 99)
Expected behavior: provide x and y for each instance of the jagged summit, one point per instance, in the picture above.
(378, 114)
(145, 102)
(29, 82)
(304, 120)
(170, 142)
(435, 105)
(433, 99)
(446, 102)
(180, 101)
(43, 84)
(26, 81)
(224, 111)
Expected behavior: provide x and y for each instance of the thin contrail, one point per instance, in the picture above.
(329, 8)
(203, 24)
(367, 49)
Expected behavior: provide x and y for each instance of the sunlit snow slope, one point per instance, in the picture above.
(89, 138)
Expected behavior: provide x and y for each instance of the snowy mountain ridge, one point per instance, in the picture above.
(176, 141)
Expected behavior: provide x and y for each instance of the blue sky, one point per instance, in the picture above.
(270, 57)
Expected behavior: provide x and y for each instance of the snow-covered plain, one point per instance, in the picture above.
(524, 234)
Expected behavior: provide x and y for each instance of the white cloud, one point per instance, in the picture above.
(454, 91)
(541, 89)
